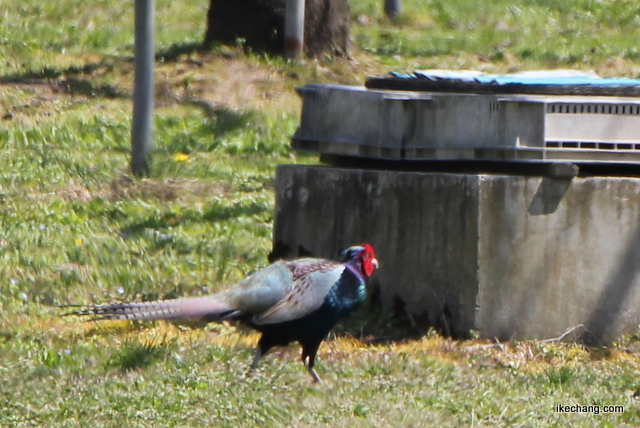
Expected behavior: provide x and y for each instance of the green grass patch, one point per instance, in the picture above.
(580, 34)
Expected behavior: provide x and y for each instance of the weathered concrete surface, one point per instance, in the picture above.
(554, 254)
(514, 257)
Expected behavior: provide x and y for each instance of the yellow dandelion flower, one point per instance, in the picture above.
(181, 157)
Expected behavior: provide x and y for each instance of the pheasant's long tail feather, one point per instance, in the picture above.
(208, 308)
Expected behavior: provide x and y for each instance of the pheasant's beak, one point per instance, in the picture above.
(374, 262)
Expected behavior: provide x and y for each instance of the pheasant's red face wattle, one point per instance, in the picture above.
(369, 261)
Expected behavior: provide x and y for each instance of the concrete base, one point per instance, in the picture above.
(513, 257)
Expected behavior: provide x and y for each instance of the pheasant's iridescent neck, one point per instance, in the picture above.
(354, 267)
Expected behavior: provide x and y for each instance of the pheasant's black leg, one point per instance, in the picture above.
(312, 372)
(309, 359)
(256, 359)
(263, 347)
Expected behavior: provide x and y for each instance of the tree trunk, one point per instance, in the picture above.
(259, 24)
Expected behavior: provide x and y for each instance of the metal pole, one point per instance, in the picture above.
(294, 29)
(393, 8)
(142, 127)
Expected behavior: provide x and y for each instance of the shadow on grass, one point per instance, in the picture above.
(74, 86)
(175, 51)
(78, 79)
(375, 326)
(135, 354)
(171, 54)
(205, 135)
(50, 73)
(221, 119)
(64, 81)
(216, 212)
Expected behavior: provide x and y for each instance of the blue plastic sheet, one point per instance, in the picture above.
(544, 77)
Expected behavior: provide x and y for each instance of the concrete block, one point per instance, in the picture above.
(510, 256)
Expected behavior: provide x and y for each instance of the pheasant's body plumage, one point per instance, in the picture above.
(288, 301)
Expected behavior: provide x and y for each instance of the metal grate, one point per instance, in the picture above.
(573, 108)
(590, 145)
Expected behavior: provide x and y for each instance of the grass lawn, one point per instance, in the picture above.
(75, 227)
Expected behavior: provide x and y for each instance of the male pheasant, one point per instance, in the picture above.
(288, 301)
